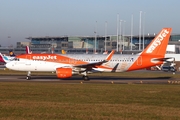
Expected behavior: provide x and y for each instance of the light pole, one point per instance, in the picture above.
(9, 41)
(131, 29)
(143, 28)
(140, 31)
(87, 46)
(95, 38)
(52, 46)
(117, 49)
(120, 35)
(123, 33)
(105, 34)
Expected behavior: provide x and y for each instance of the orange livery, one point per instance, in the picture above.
(67, 65)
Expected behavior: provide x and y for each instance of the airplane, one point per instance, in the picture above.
(63, 51)
(67, 65)
(28, 51)
(5, 58)
(1, 59)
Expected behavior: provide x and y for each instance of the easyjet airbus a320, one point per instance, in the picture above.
(66, 65)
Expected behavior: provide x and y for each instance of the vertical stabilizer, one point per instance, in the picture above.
(63, 51)
(28, 51)
(159, 44)
(11, 53)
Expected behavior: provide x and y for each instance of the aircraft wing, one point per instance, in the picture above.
(94, 64)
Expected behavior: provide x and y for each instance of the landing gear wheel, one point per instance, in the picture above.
(86, 78)
(28, 77)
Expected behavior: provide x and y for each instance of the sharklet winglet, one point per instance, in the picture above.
(110, 55)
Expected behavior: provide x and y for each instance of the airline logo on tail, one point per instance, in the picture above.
(11, 53)
(158, 40)
(63, 52)
(154, 53)
(28, 51)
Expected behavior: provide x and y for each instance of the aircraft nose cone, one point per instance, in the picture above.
(9, 65)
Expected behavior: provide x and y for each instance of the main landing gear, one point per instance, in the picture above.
(86, 78)
(28, 77)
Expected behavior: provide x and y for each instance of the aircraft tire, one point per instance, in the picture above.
(28, 77)
(86, 78)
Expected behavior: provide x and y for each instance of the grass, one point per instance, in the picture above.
(39, 100)
(45, 100)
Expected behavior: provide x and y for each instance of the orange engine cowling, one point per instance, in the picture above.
(64, 72)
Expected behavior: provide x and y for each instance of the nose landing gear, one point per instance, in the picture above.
(28, 77)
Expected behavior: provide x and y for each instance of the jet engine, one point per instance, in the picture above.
(64, 72)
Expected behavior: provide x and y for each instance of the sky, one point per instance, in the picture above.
(20, 19)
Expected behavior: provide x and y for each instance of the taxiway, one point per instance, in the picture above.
(93, 79)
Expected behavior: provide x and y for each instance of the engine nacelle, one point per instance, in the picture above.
(64, 72)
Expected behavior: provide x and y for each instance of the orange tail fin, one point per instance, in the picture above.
(159, 43)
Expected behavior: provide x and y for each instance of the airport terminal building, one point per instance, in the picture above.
(90, 44)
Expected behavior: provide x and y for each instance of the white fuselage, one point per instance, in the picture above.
(120, 63)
